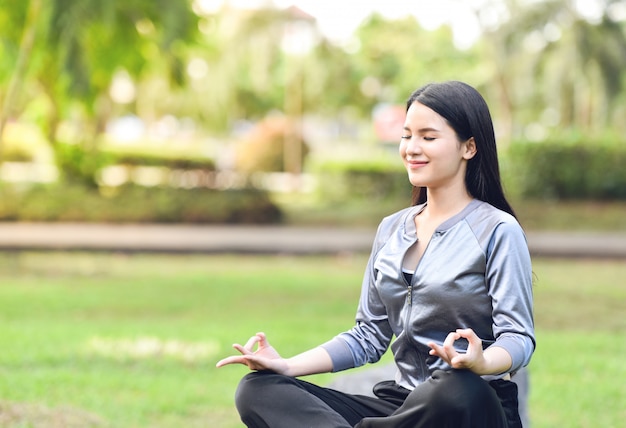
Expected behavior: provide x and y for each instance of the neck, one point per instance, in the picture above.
(446, 202)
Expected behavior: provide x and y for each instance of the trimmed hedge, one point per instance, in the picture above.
(568, 171)
(171, 162)
(375, 181)
(563, 169)
(135, 204)
(81, 166)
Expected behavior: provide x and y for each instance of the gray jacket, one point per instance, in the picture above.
(475, 273)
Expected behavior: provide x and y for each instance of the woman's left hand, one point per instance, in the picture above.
(473, 359)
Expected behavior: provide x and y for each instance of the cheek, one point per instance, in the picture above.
(402, 149)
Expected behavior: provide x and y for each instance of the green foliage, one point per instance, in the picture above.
(128, 204)
(401, 56)
(543, 67)
(79, 47)
(78, 164)
(558, 169)
(167, 161)
(371, 180)
(90, 40)
(570, 216)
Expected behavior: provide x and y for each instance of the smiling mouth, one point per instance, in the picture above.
(416, 164)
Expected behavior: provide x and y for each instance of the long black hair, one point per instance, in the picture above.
(466, 111)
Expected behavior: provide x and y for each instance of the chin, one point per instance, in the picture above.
(417, 183)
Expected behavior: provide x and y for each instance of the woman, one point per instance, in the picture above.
(449, 277)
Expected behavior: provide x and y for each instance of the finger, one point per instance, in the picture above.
(433, 346)
(451, 338)
(255, 363)
(448, 345)
(234, 359)
(263, 342)
(242, 349)
(437, 350)
(251, 342)
(466, 333)
(471, 337)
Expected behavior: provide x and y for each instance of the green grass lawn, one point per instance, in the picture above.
(111, 340)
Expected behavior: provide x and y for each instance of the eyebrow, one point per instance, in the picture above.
(422, 130)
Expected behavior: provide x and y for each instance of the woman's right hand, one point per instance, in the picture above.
(264, 358)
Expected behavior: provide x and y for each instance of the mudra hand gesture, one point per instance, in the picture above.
(490, 361)
(264, 358)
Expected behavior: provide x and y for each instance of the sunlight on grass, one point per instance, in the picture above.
(33, 415)
(142, 348)
(131, 340)
(573, 374)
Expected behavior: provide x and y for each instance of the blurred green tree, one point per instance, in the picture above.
(397, 56)
(17, 48)
(79, 49)
(553, 65)
(537, 62)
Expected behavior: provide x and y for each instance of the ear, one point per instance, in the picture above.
(470, 149)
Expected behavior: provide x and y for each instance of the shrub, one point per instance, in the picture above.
(263, 150)
(372, 180)
(567, 170)
(79, 165)
(167, 161)
(131, 203)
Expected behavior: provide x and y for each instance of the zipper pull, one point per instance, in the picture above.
(408, 295)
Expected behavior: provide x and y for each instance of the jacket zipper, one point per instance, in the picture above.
(409, 297)
(409, 294)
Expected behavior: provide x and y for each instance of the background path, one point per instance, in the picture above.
(261, 239)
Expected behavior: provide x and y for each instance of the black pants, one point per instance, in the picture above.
(456, 398)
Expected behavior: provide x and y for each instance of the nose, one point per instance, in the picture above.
(413, 146)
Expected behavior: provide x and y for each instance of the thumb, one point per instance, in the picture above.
(263, 342)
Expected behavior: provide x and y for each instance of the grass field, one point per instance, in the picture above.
(113, 340)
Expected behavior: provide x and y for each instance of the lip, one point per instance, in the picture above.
(416, 164)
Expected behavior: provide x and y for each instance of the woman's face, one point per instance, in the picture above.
(431, 151)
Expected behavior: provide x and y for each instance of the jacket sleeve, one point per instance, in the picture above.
(509, 280)
(369, 339)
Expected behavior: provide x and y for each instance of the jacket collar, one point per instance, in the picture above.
(409, 219)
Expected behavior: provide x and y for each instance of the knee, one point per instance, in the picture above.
(460, 391)
(253, 391)
(455, 398)
(249, 390)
